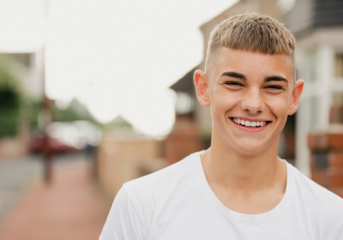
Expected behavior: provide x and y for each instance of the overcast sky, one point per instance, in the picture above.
(117, 57)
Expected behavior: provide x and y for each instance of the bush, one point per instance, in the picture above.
(11, 98)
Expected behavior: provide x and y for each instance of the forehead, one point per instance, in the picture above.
(251, 64)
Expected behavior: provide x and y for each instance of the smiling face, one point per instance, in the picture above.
(250, 95)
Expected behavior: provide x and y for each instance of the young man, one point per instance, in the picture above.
(239, 188)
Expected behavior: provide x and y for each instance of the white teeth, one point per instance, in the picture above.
(248, 123)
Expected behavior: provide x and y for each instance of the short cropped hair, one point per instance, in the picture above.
(251, 32)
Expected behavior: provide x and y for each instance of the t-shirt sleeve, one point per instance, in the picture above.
(123, 222)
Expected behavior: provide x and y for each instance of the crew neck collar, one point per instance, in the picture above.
(213, 199)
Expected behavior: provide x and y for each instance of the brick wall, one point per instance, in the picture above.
(123, 158)
(183, 140)
(327, 160)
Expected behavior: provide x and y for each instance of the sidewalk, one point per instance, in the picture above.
(71, 208)
(16, 177)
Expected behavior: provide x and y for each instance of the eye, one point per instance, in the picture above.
(232, 83)
(274, 87)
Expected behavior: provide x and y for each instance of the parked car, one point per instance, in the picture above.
(37, 145)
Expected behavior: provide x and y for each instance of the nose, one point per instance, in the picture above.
(253, 102)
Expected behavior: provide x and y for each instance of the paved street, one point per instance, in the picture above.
(72, 207)
(16, 177)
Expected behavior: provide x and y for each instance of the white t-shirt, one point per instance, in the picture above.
(176, 203)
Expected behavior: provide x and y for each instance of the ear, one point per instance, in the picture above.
(201, 88)
(297, 90)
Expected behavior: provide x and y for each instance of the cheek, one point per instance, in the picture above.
(223, 102)
(279, 108)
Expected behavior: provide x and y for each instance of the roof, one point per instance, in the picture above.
(185, 84)
(308, 15)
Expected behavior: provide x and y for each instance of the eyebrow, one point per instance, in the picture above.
(234, 75)
(241, 76)
(275, 78)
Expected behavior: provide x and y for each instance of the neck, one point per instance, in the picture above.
(239, 172)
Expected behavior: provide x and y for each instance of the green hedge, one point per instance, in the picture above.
(11, 99)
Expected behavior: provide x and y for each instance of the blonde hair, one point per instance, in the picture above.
(251, 32)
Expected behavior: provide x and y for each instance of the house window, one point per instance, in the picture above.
(336, 111)
(339, 65)
(313, 112)
(311, 58)
(184, 103)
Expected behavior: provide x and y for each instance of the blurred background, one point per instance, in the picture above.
(96, 93)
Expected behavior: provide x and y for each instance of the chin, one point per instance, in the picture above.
(251, 148)
(250, 151)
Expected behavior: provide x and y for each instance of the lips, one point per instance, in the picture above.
(250, 124)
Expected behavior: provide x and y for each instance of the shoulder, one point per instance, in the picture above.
(324, 208)
(162, 178)
(317, 193)
(147, 191)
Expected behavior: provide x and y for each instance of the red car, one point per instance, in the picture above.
(37, 146)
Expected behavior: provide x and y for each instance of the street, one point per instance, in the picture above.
(71, 207)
